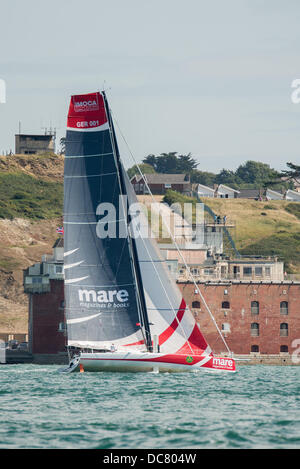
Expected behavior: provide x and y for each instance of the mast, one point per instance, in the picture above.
(145, 326)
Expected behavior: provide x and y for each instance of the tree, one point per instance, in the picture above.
(145, 169)
(254, 172)
(226, 176)
(203, 177)
(293, 175)
(171, 163)
(150, 160)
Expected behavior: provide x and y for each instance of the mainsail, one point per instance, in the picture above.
(101, 296)
(117, 287)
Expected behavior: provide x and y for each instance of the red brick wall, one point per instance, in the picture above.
(239, 315)
(47, 314)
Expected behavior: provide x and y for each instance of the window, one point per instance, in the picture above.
(62, 327)
(254, 307)
(254, 329)
(195, 271)
(284, 329)
(196, 304)
(258, 271)
(255, 348)
(284, 308)
(225, 305)
(208, 271)
(268, 271)
(37, 279)
(247, 271)
(59, 269)
(168, 186)
(226, 327)
(284, 349)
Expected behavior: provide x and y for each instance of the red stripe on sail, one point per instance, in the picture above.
(170, 330)
(173, 326)
(196, 342)
(86, 111)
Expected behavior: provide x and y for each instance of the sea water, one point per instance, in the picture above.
(259, 407)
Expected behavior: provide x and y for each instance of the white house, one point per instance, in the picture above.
(225, 192)
(205, 191)
(292, 195)
(273, 195)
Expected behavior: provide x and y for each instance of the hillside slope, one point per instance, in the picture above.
(31, 192)
(263, 228)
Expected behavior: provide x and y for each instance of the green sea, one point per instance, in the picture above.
(258, 407)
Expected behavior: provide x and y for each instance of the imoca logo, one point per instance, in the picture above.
(91, 105)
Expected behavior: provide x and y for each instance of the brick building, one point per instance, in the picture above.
(44, 283)
(47, 321)
(261, 318)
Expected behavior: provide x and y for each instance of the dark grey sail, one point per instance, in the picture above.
(101, 294)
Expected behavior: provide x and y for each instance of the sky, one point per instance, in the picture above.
(208, 78)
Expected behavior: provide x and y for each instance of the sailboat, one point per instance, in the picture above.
(123, 310)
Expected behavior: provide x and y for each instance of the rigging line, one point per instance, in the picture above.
(175, 243)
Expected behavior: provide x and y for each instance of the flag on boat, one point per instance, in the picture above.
(60, 230)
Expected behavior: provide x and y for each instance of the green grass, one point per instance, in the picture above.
(274, 233)
(259, 228)
(284, 244)
(24, 196)
(294, 209)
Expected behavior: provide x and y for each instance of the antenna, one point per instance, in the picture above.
(52, 132)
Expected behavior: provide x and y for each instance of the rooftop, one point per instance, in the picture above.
(158, 178)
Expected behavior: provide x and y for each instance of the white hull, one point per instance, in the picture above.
(149, 362)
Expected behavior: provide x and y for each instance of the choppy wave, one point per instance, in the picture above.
(256, 408)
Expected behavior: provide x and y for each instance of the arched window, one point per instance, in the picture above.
(254, 348)
(196, 304)
(284, 348)
(254, 307)
(284, 329)
(284, 308)
(255, 329)
(225, 305)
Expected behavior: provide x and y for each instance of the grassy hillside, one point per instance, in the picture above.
(31, 196)
(263, 228)
(31, 187)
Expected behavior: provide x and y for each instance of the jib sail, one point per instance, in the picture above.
(170, 318)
